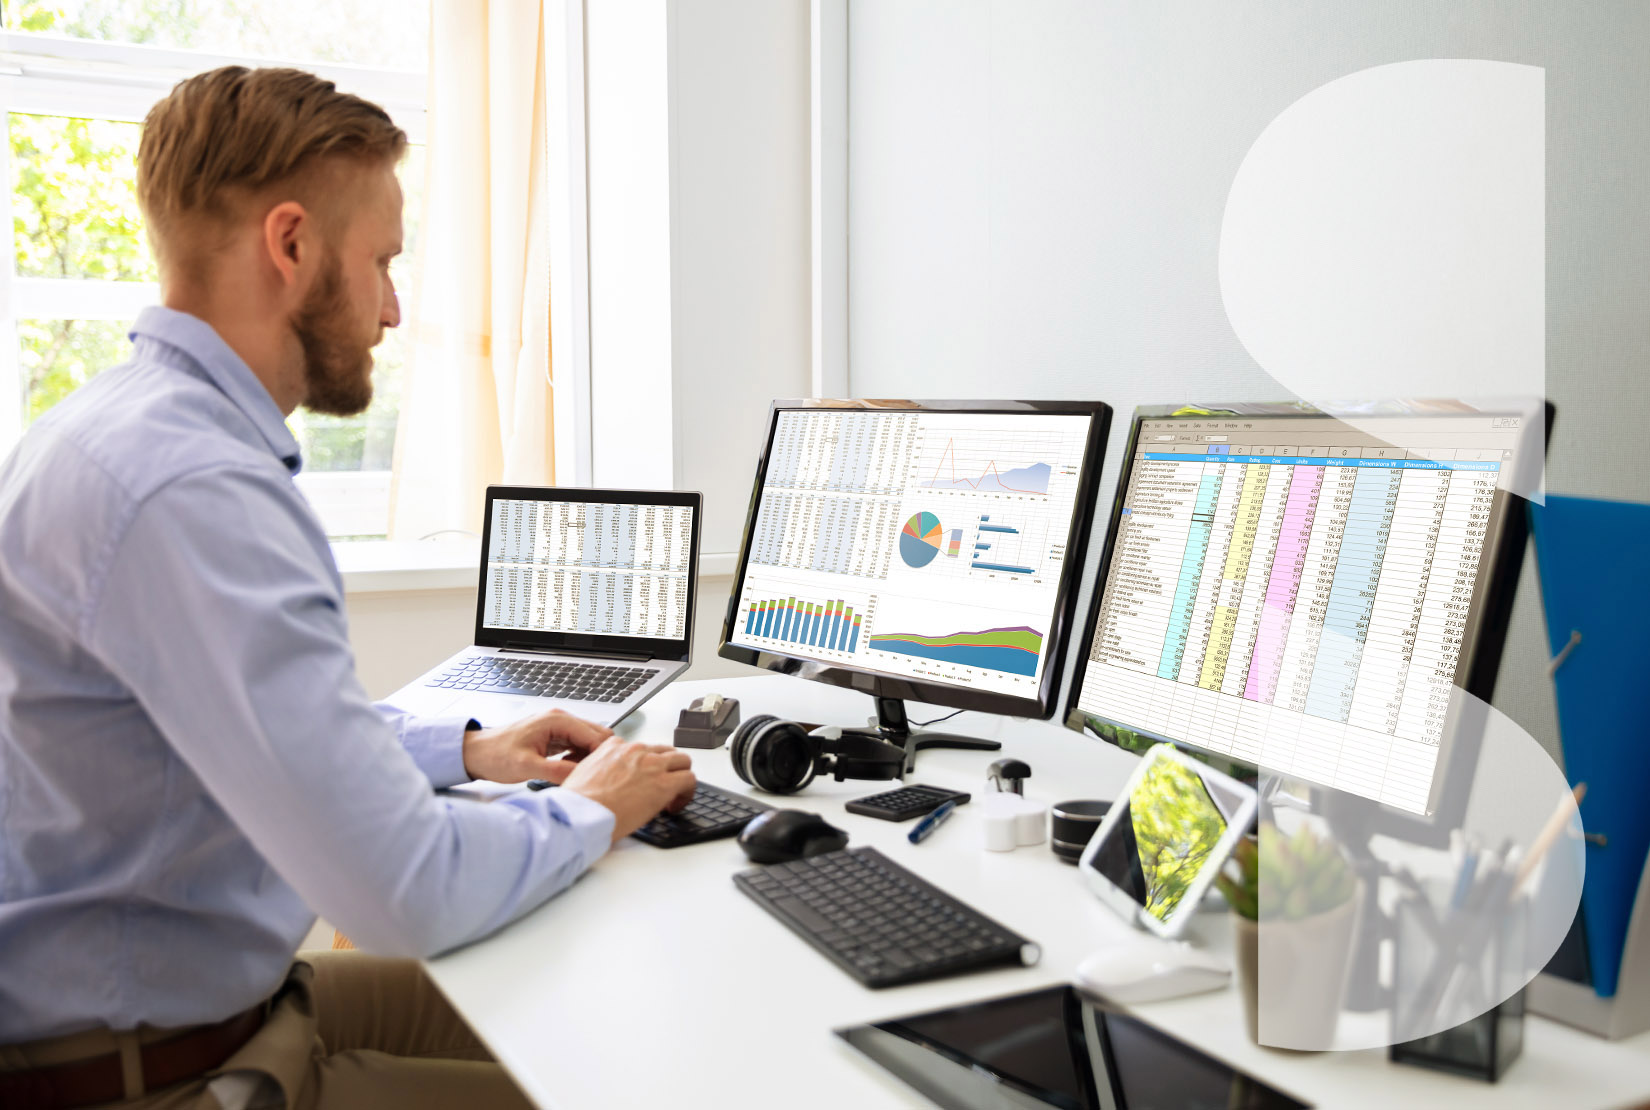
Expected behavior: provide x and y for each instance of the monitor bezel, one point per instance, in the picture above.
(647, 646)
(1505, 540)
(880, 685)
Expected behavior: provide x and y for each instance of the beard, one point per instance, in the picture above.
(337, 362)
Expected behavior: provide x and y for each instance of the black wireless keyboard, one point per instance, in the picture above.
(713, 814)
(880, 923)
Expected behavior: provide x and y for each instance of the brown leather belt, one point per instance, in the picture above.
(100, 1078)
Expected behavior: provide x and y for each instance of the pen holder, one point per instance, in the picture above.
(1447, 969)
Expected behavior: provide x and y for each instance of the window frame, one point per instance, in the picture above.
(58, 75)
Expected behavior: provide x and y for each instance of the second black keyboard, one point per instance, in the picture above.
(879, 922)
(713, 814)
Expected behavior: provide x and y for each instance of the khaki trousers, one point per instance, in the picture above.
(346, 1030)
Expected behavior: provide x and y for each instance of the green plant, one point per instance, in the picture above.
(1292, 877)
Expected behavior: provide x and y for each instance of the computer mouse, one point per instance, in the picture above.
(781, 835)
(1147, 970)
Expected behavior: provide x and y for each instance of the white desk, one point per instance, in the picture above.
(654, 982)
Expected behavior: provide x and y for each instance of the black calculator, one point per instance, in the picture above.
(905, 803)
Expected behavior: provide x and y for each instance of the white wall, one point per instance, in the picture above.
(399, 635)
(739, 240)
(1036, 192)
(699, 252)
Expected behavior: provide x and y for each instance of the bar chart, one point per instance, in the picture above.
(1009, 547)
(832, 625)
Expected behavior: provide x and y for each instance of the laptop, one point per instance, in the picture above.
(585, 604)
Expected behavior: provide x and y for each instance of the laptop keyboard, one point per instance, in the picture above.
(544, 678)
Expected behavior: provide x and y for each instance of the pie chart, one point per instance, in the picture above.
(919, 540)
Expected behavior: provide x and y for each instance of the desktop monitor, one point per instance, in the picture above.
(1299, 590)
(919, 550)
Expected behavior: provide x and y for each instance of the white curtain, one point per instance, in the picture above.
(476, 407)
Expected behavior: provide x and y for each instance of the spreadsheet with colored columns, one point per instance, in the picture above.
(1294, 605)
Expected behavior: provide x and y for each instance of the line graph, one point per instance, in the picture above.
(1032, 478)
(968, 456)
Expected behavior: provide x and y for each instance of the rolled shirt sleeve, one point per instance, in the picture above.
(225, 621)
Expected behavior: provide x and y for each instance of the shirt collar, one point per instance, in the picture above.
(195, 338)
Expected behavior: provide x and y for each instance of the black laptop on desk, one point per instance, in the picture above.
(584, 603)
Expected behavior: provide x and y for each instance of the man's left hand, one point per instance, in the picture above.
(523, 750)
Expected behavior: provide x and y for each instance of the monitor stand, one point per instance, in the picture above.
(894, 728)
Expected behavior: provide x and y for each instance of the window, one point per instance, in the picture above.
(76, 76)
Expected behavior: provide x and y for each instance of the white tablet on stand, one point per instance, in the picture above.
(1152, 860)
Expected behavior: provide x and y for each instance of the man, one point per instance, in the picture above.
(188, 765)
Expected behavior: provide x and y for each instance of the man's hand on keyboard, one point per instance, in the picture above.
(635, 781)
(523, 750)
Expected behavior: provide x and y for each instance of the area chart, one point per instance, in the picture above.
(1010, 650)
(1016, 479)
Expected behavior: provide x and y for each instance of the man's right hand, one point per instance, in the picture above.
(635, 781)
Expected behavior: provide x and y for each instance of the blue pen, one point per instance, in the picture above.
(925, 828)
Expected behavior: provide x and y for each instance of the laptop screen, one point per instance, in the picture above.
(592, 568)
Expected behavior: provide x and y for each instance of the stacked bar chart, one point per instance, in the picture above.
(831, 625)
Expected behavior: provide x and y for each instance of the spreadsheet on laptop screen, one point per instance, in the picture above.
(1294, 592)
(584, 567)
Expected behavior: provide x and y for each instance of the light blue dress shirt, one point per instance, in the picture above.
(189, 768)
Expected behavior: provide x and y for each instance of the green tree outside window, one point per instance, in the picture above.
(73, 197)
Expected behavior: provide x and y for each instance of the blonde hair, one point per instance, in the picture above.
(234, 133)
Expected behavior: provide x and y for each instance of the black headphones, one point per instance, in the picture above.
(782, 757)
